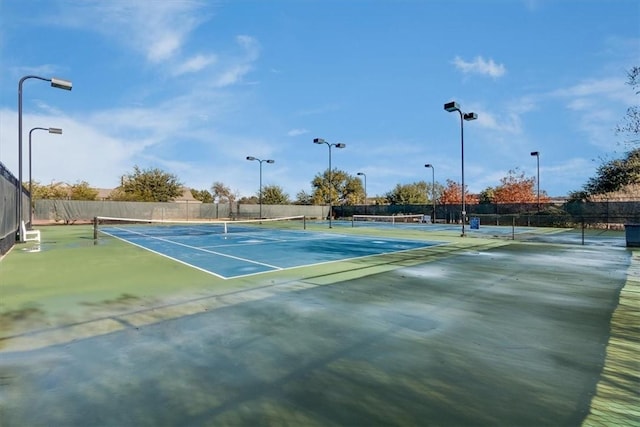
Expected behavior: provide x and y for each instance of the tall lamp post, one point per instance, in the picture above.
(56, 131)
(55, 82)
(537, 155)
(433, 189)
(251, 158)
(338, 145)
(451, 107)
(365, 190)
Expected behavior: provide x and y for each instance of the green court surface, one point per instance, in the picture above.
(471, 331)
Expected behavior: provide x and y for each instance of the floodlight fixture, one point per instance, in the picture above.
(537, 156)
(365, 190)
(56, 131)
(260, 191)
(61, 83)
(337, 145)
(433, 189)
(57, 83)
(451, 107)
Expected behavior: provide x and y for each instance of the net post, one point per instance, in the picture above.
(582, 231)
(513, 228)
(353, 221)
(95, 228)
(304, 222)
(225, 228)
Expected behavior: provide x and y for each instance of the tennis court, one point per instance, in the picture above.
(243, 248)
(471, 331)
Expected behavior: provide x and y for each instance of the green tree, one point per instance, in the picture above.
(51, 191)
(631, 122)
(148, 185)
(82, 191)
(303, 198)
(615, 174)
(202, 195)
(251, 200)
(353, 191)
(337, 187)
(222, 193)
(487, 195)
(274, 195)
(409, 194)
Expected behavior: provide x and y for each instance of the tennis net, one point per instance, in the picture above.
(115, 226)
(386, 219)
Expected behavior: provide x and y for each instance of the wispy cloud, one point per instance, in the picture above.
(595, 104)
(480, 66)
(297, 132)
(194, 64)
(237, 68)
(610, 88)
(157, 29)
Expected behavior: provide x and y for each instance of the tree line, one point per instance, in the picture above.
(340, 188)
(337, 188)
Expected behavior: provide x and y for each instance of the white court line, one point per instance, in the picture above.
(192, 247)
(322, 236)
(434, 243)
(271, 240)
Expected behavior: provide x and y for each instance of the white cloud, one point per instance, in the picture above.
(297, 132)
(195, 64)
(611, 88)
(480, 66)
(157, 29)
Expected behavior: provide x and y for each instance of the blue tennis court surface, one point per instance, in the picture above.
(249, 252)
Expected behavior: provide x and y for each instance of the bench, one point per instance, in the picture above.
(28, 235)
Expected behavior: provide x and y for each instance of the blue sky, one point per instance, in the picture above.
(194, 87)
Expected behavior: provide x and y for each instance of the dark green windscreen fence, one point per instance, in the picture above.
(9, 222)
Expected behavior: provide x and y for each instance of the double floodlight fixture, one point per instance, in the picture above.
(322, 141)
(453, 106)
(337, 145)
(535, 153)
(255, 158)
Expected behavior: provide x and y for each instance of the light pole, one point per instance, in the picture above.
(433, 189)
(365, 190)
(537, 154)
(57, 83)
(450, 107)
(251, 158)
(56, 131)
(338, 145)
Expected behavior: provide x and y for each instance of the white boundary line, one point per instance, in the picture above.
(325, 236)
(190, 247)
